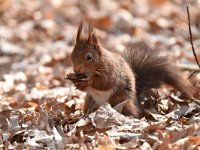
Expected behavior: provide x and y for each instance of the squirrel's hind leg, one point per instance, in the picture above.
(131, 109)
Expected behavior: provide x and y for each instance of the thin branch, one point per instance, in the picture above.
(194, 72)
(191, 41)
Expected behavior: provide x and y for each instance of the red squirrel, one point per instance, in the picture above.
(114, 78)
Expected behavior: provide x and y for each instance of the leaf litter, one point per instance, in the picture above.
(39, 109)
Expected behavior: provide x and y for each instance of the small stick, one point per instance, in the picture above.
(191, 41)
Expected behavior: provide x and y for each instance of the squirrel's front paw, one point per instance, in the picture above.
(80, 80)
(82, 85)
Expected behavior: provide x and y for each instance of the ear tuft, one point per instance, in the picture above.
(92, 39)
(78, 37)
(90, 28)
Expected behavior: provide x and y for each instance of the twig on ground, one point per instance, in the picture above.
(188, 67)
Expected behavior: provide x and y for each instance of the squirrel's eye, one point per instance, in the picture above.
(89, 56)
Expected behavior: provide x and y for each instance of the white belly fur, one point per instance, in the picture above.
(100, 97)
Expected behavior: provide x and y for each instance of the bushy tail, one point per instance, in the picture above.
(152, 67)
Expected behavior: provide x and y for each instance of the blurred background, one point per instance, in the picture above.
(37, 36)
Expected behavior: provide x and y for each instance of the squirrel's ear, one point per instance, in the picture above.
(78, 37)
(92, 39)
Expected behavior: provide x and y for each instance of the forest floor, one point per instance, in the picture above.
(39, 109)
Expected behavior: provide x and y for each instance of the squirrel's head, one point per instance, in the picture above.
(86, 54)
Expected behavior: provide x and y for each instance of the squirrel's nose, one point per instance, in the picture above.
(78, 69)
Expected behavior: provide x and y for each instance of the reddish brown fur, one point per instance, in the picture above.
(112, 75)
